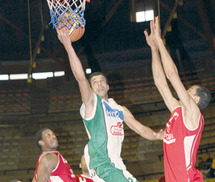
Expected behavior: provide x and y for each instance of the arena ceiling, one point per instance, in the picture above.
(25, 30)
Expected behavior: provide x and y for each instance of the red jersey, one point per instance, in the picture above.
(62, 173)
(83, 178)
(180, 146)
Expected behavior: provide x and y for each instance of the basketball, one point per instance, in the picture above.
(76, 34)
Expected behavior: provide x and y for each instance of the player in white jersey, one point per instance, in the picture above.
(101, 143)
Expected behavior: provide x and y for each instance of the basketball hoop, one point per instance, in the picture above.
(68, 14)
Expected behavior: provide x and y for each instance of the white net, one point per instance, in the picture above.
(67, 13)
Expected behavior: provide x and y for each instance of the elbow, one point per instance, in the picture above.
(160, 82)
(171, 75)
(81, 77)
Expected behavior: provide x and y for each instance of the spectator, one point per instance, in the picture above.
(201, 164)
(208, 161)
(212, 170)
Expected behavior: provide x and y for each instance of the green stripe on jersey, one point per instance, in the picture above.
(98, 142)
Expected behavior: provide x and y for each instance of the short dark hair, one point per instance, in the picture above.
(96, 74)
(205, 97)
(39, 137)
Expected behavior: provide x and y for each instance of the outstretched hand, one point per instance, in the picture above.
(64, 38)
(155, 33)
(154, 24)
(159, 135)
(149, 39)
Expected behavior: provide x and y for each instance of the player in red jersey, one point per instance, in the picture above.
(85, 176)
(51, 166)
(184, 128)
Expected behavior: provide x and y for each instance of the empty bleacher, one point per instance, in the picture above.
(15, 101)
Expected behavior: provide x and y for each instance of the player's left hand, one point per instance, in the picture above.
(149, 38)
(159, 135)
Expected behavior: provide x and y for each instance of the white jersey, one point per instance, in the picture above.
(106, 134)
(114, 131)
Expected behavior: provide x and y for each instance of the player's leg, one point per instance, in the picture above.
(109, 173)
(129, 176)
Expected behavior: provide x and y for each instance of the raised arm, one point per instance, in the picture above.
(139, 128)
(46, 166)
(77, 69)
(191, 110)
(158, 72)
(172, 73)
